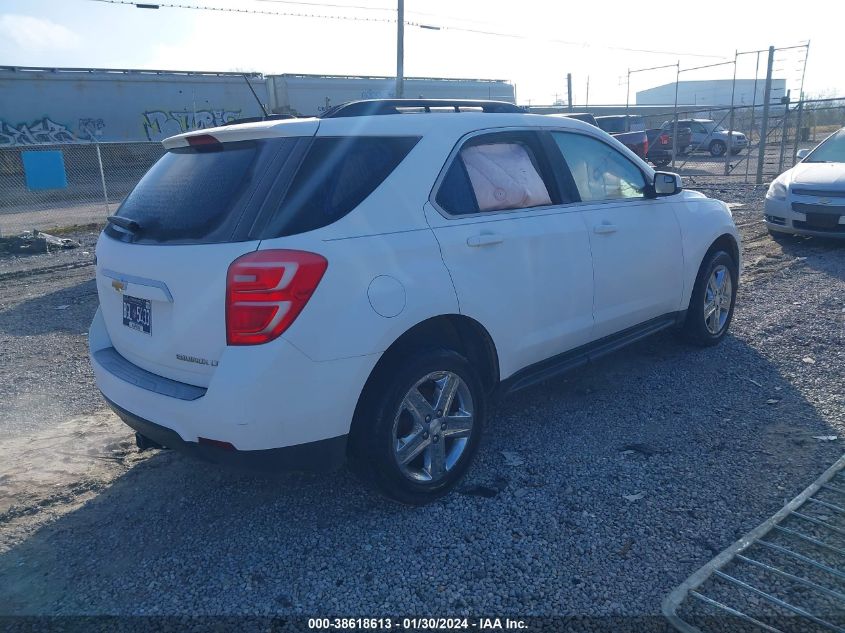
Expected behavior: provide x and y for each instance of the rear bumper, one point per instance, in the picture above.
(322, 455)
(260, 398)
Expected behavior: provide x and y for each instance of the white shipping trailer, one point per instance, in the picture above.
(309, 95)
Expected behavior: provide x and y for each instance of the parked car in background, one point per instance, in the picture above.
(660, 144)
(586, 117)
(809, 199)
(295, 293)
(708, 136)
(628, 130)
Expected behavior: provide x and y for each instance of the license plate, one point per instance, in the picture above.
(138, 314)
(822, 220)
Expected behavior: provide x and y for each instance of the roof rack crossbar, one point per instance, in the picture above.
(372, 107)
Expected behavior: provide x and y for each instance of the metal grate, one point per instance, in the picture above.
(785, 576)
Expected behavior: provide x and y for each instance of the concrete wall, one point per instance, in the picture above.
(73, 106)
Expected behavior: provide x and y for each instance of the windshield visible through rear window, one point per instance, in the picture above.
(830, 151)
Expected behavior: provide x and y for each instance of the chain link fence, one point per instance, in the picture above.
(93, 180)
(97, 176)
(789, 127)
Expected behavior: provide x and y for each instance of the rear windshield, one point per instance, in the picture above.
(617, 124)
(260, 189)
(200, 194)
(612, 125)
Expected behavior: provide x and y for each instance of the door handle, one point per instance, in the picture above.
(485, 239)
(605, 228)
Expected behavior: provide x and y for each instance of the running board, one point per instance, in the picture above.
(562, 363)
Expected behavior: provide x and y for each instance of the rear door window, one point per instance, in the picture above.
(336, 175)
(202, 194)
(498, 172)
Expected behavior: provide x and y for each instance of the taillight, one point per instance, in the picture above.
(664, 139)
(266, 291)
(202, 139)
(645, 149)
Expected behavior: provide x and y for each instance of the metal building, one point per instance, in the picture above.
(712, 92)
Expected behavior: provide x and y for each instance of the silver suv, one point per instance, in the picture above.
(708, 135)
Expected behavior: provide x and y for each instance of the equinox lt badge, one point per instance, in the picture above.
(198, 361)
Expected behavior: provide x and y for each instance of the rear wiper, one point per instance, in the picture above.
(127, 224)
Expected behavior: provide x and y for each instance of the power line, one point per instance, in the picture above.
(296, 14)
(382, 9)
(436, 27)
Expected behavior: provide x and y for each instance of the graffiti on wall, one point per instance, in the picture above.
(40, 131)
(91, 129)
(47, 131)
(159, 124)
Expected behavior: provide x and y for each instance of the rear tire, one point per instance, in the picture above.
(712, 302)
(717, 148)
(420, 426)
(143, 442)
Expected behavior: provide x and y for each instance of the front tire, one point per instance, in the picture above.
(420, 426)
(712, 302)
(718, 148)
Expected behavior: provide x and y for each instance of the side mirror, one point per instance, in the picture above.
(801, 154)
(666, 184)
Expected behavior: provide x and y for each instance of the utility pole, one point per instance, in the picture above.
(569, 90)
(675, 114)
(729, 151)
(627, 92)
(800, 104)
(587, 101)
(767, 95)
(400, 49)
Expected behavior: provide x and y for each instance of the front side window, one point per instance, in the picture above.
(496, 172)
(600, 171)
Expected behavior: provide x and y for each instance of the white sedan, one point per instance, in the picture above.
(809, 199)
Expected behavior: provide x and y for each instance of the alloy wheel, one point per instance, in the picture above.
(432, 426)
(717, 299)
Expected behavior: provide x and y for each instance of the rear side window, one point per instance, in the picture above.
(201, 194)
(336, 175)
(497, 172)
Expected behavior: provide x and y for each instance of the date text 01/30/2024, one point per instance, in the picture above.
(416, 623)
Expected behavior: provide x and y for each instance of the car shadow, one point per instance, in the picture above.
(593, 494)
(58, 311)
(823, 254)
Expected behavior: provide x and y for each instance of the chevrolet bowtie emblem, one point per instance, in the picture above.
(824, 200)
(118, 285)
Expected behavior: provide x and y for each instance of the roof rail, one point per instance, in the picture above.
(254, 119)
(371, 107)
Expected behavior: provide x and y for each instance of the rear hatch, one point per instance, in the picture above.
(162, 264)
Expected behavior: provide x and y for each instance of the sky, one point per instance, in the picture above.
(532, 43)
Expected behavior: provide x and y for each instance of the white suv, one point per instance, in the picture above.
(295, 293)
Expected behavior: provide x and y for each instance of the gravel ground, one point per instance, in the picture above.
(47, 302)
(705, 444)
